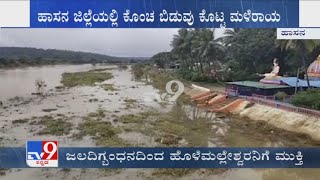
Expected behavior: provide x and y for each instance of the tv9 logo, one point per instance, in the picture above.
(174, 89)
(42, 153)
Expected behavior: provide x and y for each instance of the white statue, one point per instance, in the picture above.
(275, 70)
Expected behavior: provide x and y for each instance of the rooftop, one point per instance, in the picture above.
(258, 85)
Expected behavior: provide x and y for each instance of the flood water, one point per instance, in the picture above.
(21, 82)
(75, 102)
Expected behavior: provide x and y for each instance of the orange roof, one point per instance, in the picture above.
(314, 68)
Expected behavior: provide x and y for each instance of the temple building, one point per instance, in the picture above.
(272, 83)
(314, 70)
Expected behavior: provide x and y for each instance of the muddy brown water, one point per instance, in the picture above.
(76, 102)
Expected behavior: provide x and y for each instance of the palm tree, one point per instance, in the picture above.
(199, 45)
(198, 49)
(302, 46)
(181, 44)
(206, 48)
(229, 35)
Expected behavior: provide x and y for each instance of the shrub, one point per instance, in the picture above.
(280, 96)
(185, 74)
(198, 77)
(137, 70)
(193, 75)
(123, 67)
(307, 99)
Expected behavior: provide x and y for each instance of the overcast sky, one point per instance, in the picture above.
(115, 42)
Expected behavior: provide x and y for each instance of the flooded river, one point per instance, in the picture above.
(21, 114)
(21, 82)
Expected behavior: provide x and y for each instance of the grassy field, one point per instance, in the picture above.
(88, 78)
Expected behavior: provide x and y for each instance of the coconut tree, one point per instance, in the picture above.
(198, 49)
(228, 36)
(181, 46)
(206, 48)
(302, 47)
(199, 43)
(162, 58)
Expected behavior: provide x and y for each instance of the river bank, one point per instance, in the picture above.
(286, 120)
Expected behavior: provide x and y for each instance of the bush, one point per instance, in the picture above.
(185, 74)
(307, 99)
(193, 75)
(123, 67)
(198, 77)
(280, 96)
(138, 70)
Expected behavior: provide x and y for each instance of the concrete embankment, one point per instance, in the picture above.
(283, 119)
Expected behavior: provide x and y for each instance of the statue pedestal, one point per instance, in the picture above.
(271, 80)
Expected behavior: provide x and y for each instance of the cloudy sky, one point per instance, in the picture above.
(115, 42)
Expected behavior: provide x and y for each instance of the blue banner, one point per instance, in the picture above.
(161, 157)
(164, 14)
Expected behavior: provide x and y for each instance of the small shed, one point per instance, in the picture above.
(248, 88)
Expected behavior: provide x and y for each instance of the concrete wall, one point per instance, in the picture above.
(286, 120)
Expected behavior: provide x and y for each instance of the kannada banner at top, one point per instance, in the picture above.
(164, 14)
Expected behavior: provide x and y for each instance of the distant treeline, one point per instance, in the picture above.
(19, 56)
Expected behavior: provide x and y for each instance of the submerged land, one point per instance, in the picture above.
(112, 106)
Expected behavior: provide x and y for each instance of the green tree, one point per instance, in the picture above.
(208, 50)
(162, 58)
(251, 52)
(181, 45)
(198, 51)
(229, 35)
(303, 47)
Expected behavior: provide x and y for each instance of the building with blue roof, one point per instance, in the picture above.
(269, 86)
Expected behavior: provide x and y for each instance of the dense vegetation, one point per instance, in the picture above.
(238, 55)
(18, 56)
(308, 99)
